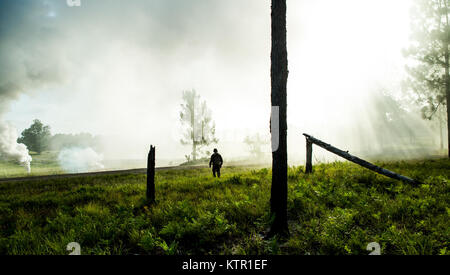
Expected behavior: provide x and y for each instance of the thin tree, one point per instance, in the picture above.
(429, 76)
(200, 129)
(279, 76)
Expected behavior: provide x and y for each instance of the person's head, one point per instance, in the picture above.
(215, 150)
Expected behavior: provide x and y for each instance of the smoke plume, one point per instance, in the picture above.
(27, 66)
(78, 160)
(9, 147)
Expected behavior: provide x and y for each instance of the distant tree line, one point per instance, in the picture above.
(38, 138)
(255, 144)
(60, 141)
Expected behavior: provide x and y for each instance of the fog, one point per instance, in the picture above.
(117, 70)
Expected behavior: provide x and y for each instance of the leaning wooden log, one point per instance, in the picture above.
(361, 162)
(151, 175)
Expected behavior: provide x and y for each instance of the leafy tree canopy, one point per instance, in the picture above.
(37, 137)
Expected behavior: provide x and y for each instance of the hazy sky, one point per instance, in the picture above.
(118, 68)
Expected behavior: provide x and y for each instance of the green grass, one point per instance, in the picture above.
(43, 164)
(337, 210)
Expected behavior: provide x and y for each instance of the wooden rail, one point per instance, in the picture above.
(310, 140)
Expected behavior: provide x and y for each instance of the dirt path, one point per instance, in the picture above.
(101, 173)
(115, 172)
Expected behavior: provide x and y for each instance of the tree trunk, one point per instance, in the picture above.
(441, 134)
(194, 149)
(447, 91)
(447, 77)
(279, 75)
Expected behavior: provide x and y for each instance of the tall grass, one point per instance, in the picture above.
(338, 209)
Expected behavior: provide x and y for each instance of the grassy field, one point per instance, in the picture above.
(337, 210)
(43, 164)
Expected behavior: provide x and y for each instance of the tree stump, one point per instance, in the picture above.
(151, 175)
(309, 148)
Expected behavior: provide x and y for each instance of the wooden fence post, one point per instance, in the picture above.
(359, 161)
(151, 175)
(309, 149)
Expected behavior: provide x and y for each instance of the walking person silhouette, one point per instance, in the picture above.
(216, 162)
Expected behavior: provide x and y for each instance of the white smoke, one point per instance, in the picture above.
(9, 147)
(78, 160)
(23, 71)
